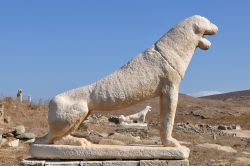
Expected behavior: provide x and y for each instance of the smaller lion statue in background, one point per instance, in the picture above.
(139, 117)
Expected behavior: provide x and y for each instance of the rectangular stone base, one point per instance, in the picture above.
(36, 162)
(108, 152)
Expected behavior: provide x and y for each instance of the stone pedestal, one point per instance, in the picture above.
(107, 155)
(35, 162)
(108, 152)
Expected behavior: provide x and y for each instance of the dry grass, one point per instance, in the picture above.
(32, 116)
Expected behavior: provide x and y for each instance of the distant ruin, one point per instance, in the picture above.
(19, 95)
(1, 113)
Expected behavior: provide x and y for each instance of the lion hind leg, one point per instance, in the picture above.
(62, 127)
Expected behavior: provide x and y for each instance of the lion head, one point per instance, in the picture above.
(202, 27)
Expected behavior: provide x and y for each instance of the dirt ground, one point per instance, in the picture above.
(191, 112)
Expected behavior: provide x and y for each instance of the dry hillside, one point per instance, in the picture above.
(225, 109)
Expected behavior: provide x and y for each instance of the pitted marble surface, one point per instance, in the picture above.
(107, 152)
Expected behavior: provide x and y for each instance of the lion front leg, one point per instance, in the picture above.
(70, 140)
(168, 105)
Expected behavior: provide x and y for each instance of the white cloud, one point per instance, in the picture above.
(205, 93)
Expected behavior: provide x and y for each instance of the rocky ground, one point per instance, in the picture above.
(206, 125)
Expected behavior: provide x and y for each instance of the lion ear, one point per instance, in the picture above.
(197, 28)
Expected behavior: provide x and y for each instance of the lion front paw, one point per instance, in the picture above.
(70, 140)
(171, 142)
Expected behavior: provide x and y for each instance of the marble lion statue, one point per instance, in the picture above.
(138, 117)
(157, 71)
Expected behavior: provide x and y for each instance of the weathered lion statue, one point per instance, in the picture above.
(139, 117)
(157, 71)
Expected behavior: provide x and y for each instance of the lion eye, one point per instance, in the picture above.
(197, 29)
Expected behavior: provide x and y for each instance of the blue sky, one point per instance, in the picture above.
(47, 47)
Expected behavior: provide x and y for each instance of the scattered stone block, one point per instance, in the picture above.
(14, 143)
(26, 136)
(20, 129)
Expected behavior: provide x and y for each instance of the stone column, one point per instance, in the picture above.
(19, 95)
(1, 113)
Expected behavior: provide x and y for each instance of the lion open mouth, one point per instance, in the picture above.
(203, 42)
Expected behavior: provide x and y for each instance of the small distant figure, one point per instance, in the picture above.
(19, 95)
(137, 117)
